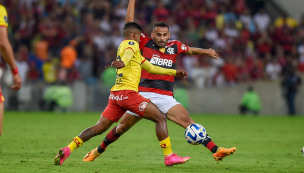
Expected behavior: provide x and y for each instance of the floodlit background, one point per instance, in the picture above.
(66, 47)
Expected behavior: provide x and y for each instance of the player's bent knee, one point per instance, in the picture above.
(161, 118)
(121, 129)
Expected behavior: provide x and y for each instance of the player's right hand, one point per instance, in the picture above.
(181, 73)
(17, 82)
(213, 54)
(118, 64)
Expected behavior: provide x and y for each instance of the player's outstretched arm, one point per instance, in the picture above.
(130, 11)
(199, 51)
(162, 71)
(7, 53)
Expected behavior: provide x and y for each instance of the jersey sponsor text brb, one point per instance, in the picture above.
(156, 60)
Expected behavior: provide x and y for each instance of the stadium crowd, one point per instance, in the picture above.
(68, 40)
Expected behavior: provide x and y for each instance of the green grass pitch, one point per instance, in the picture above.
(30, 142)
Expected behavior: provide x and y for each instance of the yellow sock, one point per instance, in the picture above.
(76, 143)
(166, 146)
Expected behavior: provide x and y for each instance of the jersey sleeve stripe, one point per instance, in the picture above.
(3, 26)
(129, 48)
(143, 61)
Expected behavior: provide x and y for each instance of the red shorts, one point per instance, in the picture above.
(1, 96)
(121, 101)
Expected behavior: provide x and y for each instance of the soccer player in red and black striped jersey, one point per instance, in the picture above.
(161, 51)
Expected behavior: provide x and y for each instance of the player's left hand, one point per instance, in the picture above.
(17, 82)
(212, 54)
(181, 73)
(118, 64)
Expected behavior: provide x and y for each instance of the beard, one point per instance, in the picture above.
(160, 44)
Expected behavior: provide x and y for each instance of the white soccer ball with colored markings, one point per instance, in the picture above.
(195, 134)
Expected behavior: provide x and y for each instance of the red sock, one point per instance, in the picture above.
(111, 137)
(208, 143)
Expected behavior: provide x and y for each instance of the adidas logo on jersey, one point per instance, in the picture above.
(156, 60)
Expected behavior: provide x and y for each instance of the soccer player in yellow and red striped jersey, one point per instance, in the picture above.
(124, 96)
(7, 54)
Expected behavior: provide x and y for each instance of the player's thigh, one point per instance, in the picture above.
(111, 114)
(103, 123)
(179, 115)
(127, 121)
(154, 114)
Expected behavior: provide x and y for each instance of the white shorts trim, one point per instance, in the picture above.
(163, 102)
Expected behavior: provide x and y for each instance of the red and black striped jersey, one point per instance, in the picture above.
(162, 57)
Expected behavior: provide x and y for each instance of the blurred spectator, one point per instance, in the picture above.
(264, 44)
(73, 75)
(116, 38)
(100, 40)
(41, 49)
(247, 20)
(105, 24)
(192, 33)
(285, 21)
(121, 10)
(230, 71)
(218, 79)
(49, 32)
(200, 72)
(211, 33)
(250, 102)
(220, 19)
(188, 62)
(33, 74)
(262, 20)
(85, 65)
(221, 42)
(273, 69)
(161, 12)
(174, 29)
(256, 69)
(23, 67)
(231, 30)
(290, 85)
(243, 71)
(49, 71)
(68, 56)
(285, 39)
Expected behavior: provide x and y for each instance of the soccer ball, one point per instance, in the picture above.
(195, 134)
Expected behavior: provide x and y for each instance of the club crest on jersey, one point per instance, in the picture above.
(143, 106)
(156, 60)
(184, 47)
(131, 43)
(170, 50)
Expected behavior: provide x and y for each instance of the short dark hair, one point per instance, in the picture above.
(161, 24)
(132, 25)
